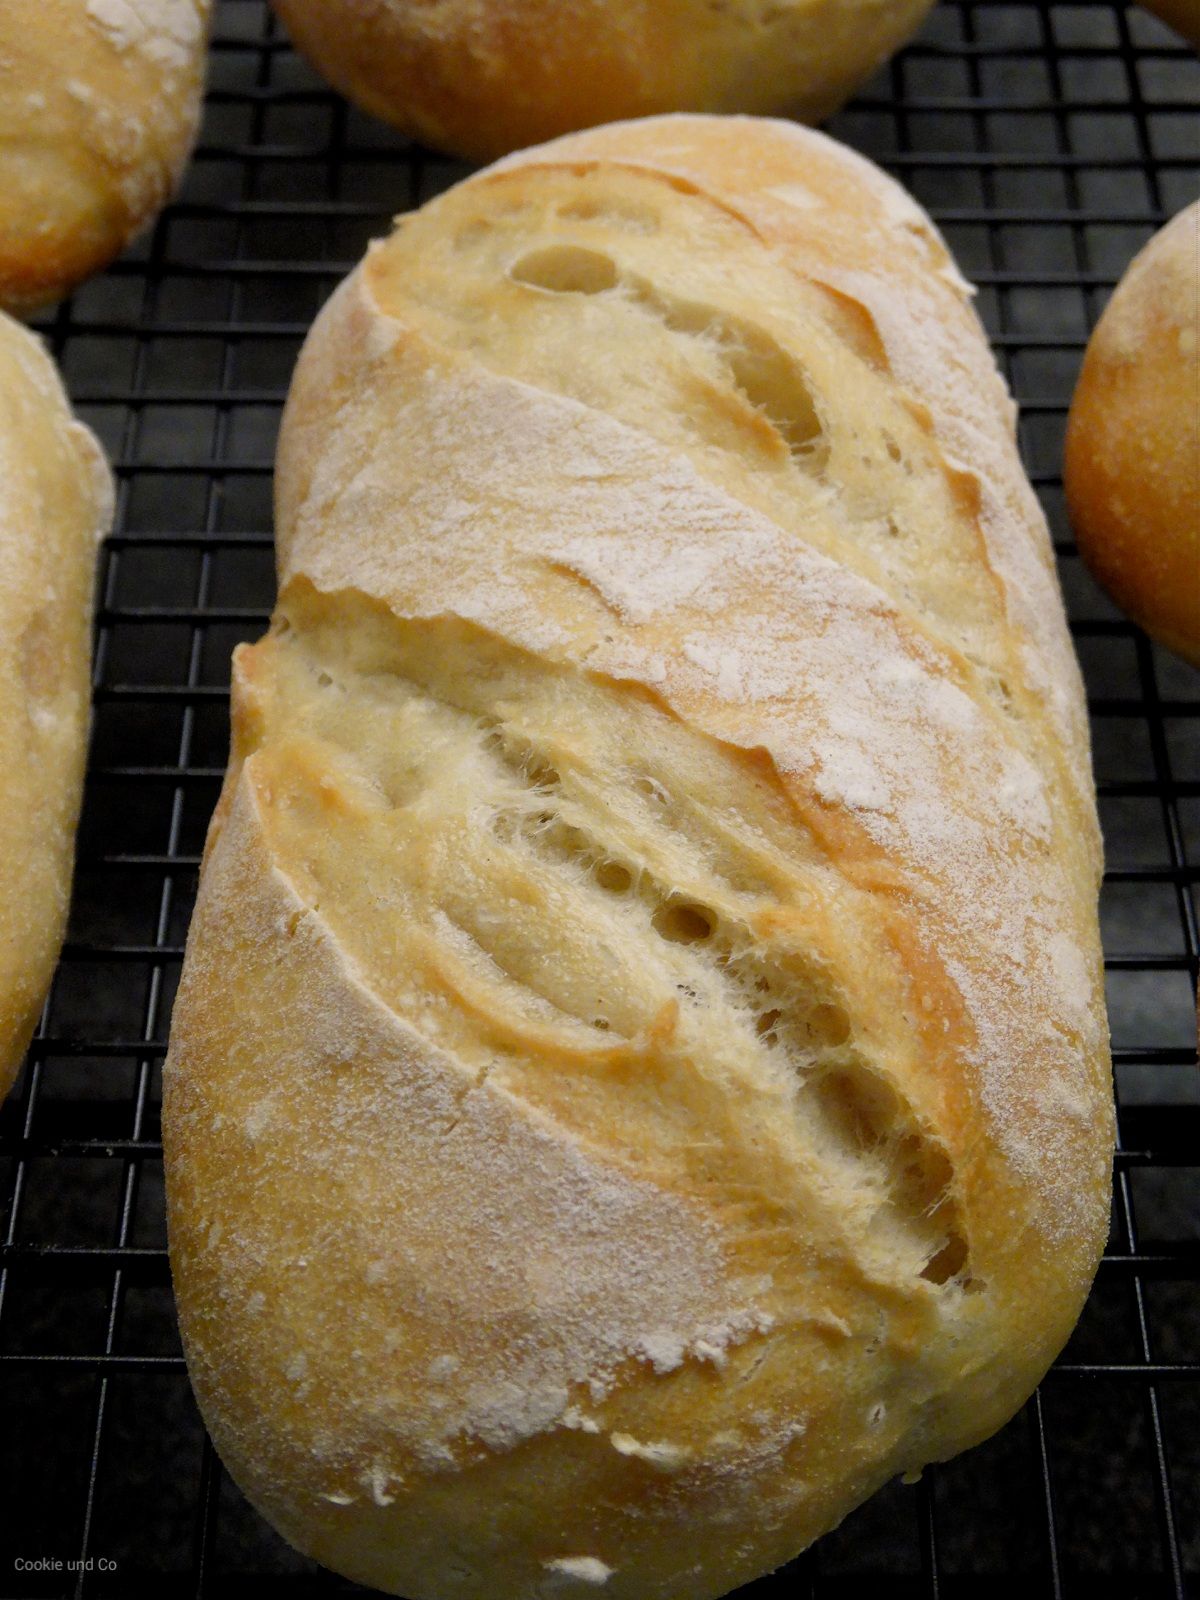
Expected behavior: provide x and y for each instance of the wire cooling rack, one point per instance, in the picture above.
(1048, 141)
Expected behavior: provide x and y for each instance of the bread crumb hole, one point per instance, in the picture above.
(541, 774)
(566, 269)
(775, 387)
(924, 1174)
(653, 790)
(683, 924)
(859, 1108)
(830, 1023)
(611, 875)
(766, 375)
(765, 1027)
(949, 1260)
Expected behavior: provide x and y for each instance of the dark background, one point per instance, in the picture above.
(1048, 141)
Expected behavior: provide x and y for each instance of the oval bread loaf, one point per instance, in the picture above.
(1132, 470)
(55, 504)
(99, 103)
(481, 77)
(639, 1078)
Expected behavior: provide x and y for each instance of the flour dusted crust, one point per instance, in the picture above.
(481, 77)
(99, 104)
(1132, 468)
(639, 1078)
(55, 504)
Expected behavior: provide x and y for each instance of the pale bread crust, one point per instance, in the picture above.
(769, 756)
(482, 77)
(99, 105)
(1132, 469)
(55, 504)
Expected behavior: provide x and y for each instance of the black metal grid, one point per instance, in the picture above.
(1048, 141)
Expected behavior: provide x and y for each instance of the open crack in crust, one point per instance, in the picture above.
(655, 771)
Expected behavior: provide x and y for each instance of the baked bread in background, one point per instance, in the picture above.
(639, 1078)
(1182, 15)
(482, 77)
(55, 505)
(1132, 469)
(99, 104)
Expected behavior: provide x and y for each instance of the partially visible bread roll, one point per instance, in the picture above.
(482, 77)
(639, 1078)
(1132, 471)
(99, 103)
(55, 504)
(1182, 15)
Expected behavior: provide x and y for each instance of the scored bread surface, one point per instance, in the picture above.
(639, 1078)
(55, 504)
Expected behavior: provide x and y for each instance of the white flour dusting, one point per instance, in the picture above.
(167, 31)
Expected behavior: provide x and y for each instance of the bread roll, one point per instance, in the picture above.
(55, 504)
(481, 77)
(99, 103)
(1132, 468)
(639, 1078)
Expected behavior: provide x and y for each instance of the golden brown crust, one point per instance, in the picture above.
(99, 103)
(55, 503)
(480, 78)
(639, 1078)
(1132, 470)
